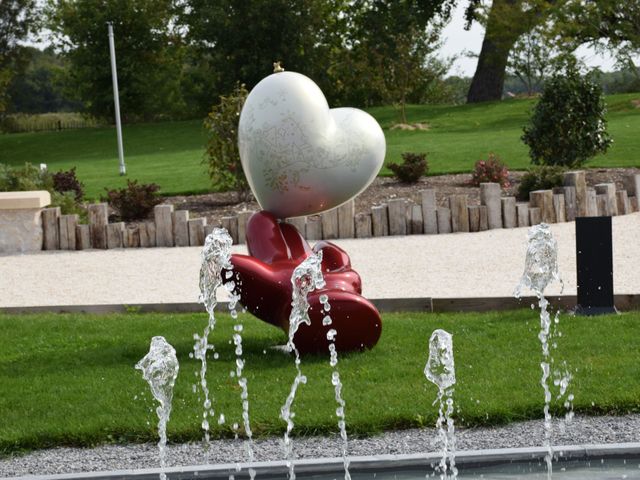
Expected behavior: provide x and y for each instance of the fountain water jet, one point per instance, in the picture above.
(160, 369)
(306, 278)
(440, 370)
(337, 384)
(216, 257)
(541, 268)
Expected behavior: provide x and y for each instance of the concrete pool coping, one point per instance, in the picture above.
(464, 460)
(623, 302)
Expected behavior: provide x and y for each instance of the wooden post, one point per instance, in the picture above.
(429, 205)
(115, 235)
(68, 225)
(474, 218)
(180, 228)
(509, 216)
(543, 199)
(578, 181)
(346, 219)
(132, 236)
(609, 190)
(535, 217)
(591, 202)
(163, 217)
(632, 185)
(231, 225)
(459, 213)
(522, 211)
(208, 228)
(299, 222)
(314, 228)
(330, 224)
(444, 219)
(98, 220)
(559, 207)
(622, 199)
(415, 226)
(490, 197)
(51, 228)
(243, 218)
(380, 221)
(147, 232)
(570, 203)
(196, 231)
(635, 204)
(484, 218)
(397, 216)
(602, 205)
(363, 225)
(83, 237)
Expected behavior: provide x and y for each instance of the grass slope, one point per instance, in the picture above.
(170, 153)
(69, 379)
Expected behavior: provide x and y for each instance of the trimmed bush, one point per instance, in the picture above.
(540, 178)
(568, 124)
(134, 202)
(490, 170)
(413, 167)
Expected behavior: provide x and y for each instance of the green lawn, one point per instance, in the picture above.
(70, 379)
(170, 153)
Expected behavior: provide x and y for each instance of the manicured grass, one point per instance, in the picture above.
(69, 379)
(170, 154)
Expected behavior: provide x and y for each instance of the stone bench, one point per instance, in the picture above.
(21, 220)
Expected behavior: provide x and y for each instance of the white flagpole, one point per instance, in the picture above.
(116, 100)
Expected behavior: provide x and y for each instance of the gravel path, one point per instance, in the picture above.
(583, 430)
(485, 264)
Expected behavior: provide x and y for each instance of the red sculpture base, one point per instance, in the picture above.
(275, 250)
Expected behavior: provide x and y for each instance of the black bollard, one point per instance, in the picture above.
(594, 261)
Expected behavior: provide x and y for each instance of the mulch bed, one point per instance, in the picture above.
(214, 206)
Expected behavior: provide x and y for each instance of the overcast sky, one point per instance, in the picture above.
(457, 40)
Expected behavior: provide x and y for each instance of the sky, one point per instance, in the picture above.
(457, 40)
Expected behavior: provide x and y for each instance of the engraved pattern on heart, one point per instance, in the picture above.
(299, 156)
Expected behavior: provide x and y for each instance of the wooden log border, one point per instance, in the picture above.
(398, 216)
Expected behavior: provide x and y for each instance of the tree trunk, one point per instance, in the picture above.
(501, 34)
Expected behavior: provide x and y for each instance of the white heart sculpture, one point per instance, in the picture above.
(299, 156)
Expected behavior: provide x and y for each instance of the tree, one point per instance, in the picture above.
(16, 21)
(238, 41)
(531, 60)
(39, 88)
(391, 53)
(506, 21)
(148, 52)
(605, 25)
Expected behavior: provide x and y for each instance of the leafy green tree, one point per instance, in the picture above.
(531, 60)
(17, 19)
(39, 88)
(392, 53)
(239, 40)
(148, 52)
(505, 22)
(568, 124)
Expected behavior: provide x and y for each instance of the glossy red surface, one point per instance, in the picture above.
(275, 250)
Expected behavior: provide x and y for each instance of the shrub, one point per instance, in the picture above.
(134, 202)
(413, 167)
(29, 177)
(568, 124)
(66, 181)
(222, 156)
(540, 178)
(490, 170)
